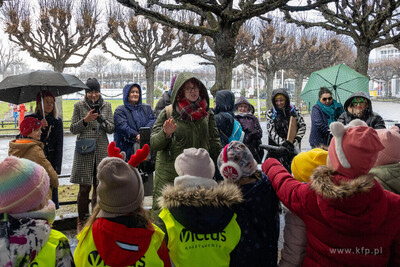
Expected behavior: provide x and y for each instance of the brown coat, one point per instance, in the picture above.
(33, 150)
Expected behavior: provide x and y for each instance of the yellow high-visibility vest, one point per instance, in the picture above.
(47, 255)
(190, 249)
(86, 253)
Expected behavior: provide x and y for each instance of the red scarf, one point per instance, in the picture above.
(193, 111)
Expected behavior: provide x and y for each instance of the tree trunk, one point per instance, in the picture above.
(361, 65)
(150, 84)
(270, 87)
(59, 107)
(298, 84)
(224, 54)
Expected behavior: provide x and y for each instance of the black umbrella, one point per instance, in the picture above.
(23, 88)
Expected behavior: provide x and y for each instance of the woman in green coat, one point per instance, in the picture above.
(187, 122)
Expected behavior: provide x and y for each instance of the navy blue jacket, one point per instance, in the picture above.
(258, 218)
(319, 134)
(129, 119)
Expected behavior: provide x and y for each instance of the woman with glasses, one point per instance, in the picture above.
(326, 111)
(92, 119)
(359, 106)
(187, 122)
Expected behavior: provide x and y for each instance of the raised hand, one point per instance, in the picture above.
(169, 127)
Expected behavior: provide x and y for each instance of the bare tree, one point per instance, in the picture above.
(370, 23)
(9, 56)
(310, 52)
(245, 49)
(96, 64)
(385, 69)
(64, 28)
(273, 53)
(149, 44)
(61, 30)
(219, 20)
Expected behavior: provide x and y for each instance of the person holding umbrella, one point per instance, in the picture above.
(52, 132)
(359, 106)
(326, 111)
(92, 120)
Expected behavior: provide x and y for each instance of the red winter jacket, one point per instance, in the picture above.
(349, 222)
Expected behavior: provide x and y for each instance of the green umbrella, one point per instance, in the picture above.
(340, 79)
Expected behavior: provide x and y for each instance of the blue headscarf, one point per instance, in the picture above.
(333, 111)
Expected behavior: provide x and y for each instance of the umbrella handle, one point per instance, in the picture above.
(41, 101)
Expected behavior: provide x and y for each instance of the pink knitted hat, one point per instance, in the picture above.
(195, 168)
(354, 148)
(390, 138)
(23, 185)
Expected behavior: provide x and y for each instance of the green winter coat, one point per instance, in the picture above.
(388, 176)
(202, 133)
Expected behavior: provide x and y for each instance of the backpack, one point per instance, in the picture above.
(237, 132)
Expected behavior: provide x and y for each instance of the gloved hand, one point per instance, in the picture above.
(289, 146)
(282, 151)
(101, 118)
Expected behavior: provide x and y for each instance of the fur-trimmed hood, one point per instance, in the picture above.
(352, 206)
(323, 182)
(201, 209)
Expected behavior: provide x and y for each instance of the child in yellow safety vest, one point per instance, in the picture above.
(26, 214)
(119, 232)
(200, 224)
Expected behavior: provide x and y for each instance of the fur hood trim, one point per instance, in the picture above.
(322, 181)
(219, 196)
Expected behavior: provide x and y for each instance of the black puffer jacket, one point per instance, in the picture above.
(371, 118)
(224, 118)
(199, 209)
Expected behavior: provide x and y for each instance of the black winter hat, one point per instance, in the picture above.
(93, 84)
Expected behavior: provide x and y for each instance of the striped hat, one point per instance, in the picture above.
(23, 185)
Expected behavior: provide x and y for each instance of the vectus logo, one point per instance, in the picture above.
(187, 236)
(94, 258)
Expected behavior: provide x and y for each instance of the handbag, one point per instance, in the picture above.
(85, 146)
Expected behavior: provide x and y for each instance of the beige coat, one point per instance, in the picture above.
(33, 150)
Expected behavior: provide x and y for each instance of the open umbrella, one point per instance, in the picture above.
(23, 88)
(340, 79)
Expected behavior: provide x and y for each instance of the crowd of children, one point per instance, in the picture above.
(340, 203)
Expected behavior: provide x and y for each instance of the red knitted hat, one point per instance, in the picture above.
(28, 125)
(354, 148)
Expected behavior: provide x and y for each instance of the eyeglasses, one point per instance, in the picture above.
(188, 89)
(327, 98)
(359, 101)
